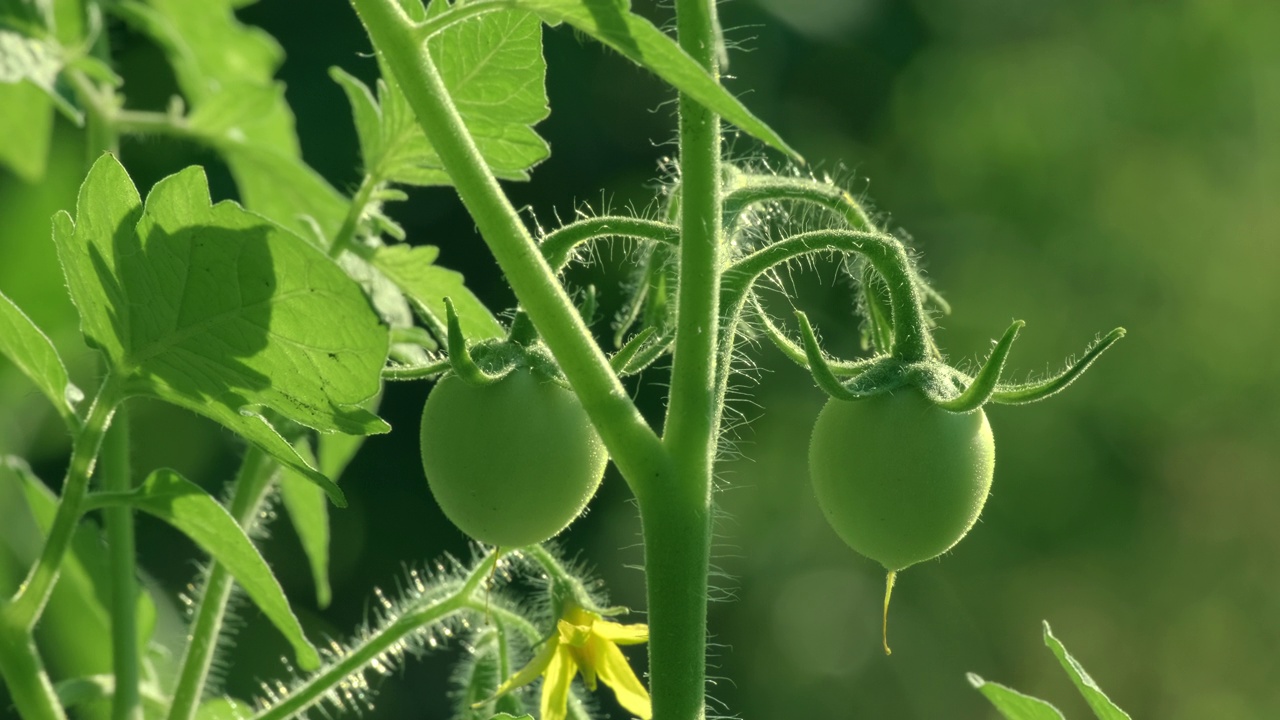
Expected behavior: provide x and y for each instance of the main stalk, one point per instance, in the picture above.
(677, 516)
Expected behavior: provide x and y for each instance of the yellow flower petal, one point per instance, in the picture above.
(555, 688)
(586, 663)
(530, 672)
(622, 634)
(616, 672)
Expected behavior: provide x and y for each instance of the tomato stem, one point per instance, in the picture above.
(911, 337)
(633, 445)
(250, 489)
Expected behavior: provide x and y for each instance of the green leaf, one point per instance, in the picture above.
(184, 505)
(26, 126)
(507, 716)
(496, 75)
(386, 297)
(305, 502)
(1012, 704)
(367, 115)
(253, 129)
(1101, 705)
(413, 269)
(309, 515)
(337, 451)
(225, 70)
(219, 311)
(611, 23)
(35, 356)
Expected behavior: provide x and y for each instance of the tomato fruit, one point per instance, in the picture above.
(511, 463)
(898, 478)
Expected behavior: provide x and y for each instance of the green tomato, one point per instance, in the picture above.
(898, 478)
(511, 463)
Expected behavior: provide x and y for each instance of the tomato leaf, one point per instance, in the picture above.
(413, 269)
(1098, 701)
(184, 505)
(1012, 704)
(220, 311)
(309, 515)
(35, 356)
(496, 75)
(612, 23)
(225, 70)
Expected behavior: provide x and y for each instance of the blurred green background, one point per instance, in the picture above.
(1079, 165)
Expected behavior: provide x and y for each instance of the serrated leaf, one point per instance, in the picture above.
(225, 70)
(495, 73)
(364, 110)
(32, 352)
(1098, 701)
(414, 271)
(493, 68)
(309, 515)
(26, 125)
(611, 23)
(184, 505)
(220, 311)
(1012, 704)
(507, 716)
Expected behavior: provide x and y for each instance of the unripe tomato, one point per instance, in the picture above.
(511, 463)
(898, 478)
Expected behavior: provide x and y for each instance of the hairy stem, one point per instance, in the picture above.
(886, 254)
(350, 223)
(29, 602)
(384, 642)
(559, 244)
(116, 476)
(251, 485)
(677, 518)
(632, 444)
(755, 189)
(24, 674)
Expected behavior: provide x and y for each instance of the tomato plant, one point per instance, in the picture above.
(285, 316)
(511, 462)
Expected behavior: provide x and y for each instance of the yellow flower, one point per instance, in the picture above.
(584, 642)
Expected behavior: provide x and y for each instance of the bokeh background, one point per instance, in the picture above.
(1079, 165)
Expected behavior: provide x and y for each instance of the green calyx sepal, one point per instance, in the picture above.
(489, 361)
(944, 386)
